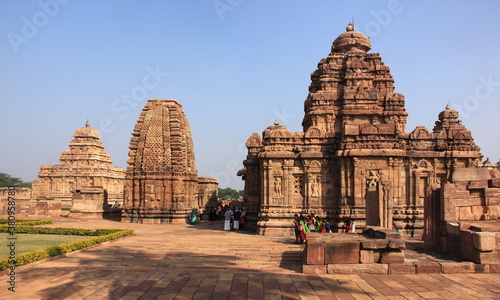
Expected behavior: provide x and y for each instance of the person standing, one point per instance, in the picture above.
(212, 214)
(236, 218)
(227, 219)
(243, 218)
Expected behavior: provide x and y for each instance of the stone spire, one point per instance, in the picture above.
(161, 180)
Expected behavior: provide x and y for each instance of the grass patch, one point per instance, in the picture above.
(31, 242)
(81, 238)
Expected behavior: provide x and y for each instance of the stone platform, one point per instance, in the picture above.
(205, 262)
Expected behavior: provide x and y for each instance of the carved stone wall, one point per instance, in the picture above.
(84, 164)
(354, 158)
(161, 181)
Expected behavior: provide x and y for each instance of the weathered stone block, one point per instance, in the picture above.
(315, 252)
(345, 252)
(376, 256)
(397, 244)
(358, 269)
(314, 269)
(492, 192)
(467, 251)
(495, 268)
(366, 257)
(467, 201)
(392, 257)
(427, 267)
(486, 257)
(466, 174)
(484, 241)
(453, 228)
(494, 182)
(497, 239)
(465, 214)
(492, 200)
(477, 184)
(493, 212)
(478, 268)
(372, 244)
(457, 267)
(402, 269)
(478, 212)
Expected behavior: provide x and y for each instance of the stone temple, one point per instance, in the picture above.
(161, 183)
(84, 165)
(354, 158)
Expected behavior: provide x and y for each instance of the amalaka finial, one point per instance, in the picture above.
(276, 122)
(350, 27)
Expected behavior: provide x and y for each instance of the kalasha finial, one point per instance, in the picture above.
(448, 107)
(87, 124)
(350, 27)
(276, 122)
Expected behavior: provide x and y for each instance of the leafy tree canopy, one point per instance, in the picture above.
(6, 180)
(229, 193)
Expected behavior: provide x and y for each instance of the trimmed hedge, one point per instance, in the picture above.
(99, 236)
(59, 230)
(26, 222)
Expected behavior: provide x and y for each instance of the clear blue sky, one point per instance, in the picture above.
(235, 65)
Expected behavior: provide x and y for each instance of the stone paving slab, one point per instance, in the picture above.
(205, 262)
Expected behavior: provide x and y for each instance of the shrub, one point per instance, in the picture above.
(99, 236)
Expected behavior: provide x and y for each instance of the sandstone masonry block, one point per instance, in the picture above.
(465, 214)
(457, 267)
(478, 212)
(397, 244)
(315, 252)
(494, 182)
(366, 257)
(484, 241)
(452, 228)
(345, 252)
(374, 244)
(495, 268)
(478, 184)
(358, 269)
(486, 257)
(427, 267)
(402, 269)
(392, 257)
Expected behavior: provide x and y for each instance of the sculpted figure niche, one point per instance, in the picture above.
(354, 157)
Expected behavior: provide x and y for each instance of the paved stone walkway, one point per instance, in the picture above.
(205, 262)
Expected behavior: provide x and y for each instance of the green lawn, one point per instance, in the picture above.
(31, 242)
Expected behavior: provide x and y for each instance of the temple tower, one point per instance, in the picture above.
(161, 181)
(354, 158)
(85, 164)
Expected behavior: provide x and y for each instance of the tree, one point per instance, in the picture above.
(6, 180)
(228, 193)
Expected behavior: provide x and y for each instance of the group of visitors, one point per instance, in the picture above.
(310, 223)
(234, 218)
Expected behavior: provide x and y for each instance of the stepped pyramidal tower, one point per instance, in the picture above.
(354, 158)
(161, 183)
(85, 164)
